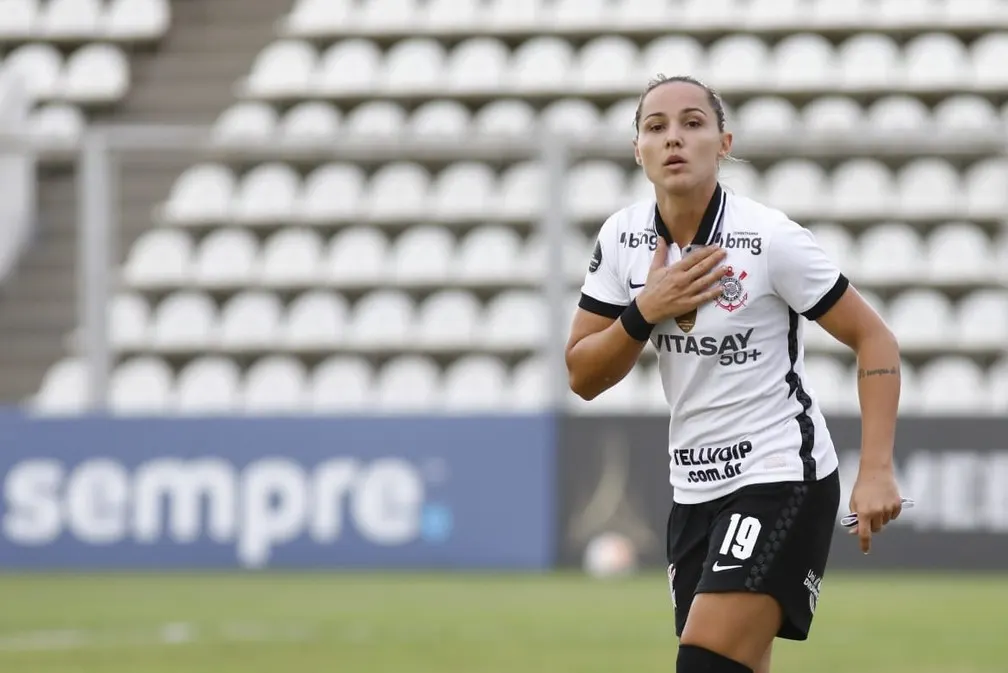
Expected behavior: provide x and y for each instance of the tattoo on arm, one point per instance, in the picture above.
(885, 371)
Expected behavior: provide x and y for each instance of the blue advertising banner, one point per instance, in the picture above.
(375, 493)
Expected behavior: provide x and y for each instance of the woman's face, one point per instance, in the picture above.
(678, 140)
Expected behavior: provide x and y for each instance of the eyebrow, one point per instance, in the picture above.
(684, 111)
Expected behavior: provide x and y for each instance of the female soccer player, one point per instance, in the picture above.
(720, 284)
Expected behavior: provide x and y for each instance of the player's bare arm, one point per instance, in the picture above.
(601, 351)
(853, 322)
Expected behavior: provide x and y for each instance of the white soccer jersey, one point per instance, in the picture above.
(733, 373)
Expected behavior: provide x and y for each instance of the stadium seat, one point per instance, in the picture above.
(838, 243)
(440, 119)
(684, 52)
(862, 187)
(998, 378)
(529, 386)
(250, 319)
(506, 15)
(541, 63)
(414, 65)
(928, 187)
(285, 67)
(463, 191)
(952, 243)
(315, 319)
(985, 192)
(579, 14)
(797, 186)
(898, 13)
(245, 122)
(352, 65)
(382, 319)
(934, 60)
(449, 319)
(869, 61)
(988, 58)
(185, 320)
(570, 117)
(129, 317)
(332, 192)
(385, 15)
(898, 114)
(953, 385)
(829, 381)
(309, 122)
(342, 384)
(831, 114)
(141, 386)
(19, 18)
(818, 340)
(445, 15)
(227, 257)
(159, 257)
(63, 19)
(965, 114)
(740, 178)
(208, 386)
(277, 384)
(595, 189)
(409, 383)
(652, 393)
(536, 258)
(201, 194)
(137, 19)
(606, 63)
(521, 191)
(96, 73)
(891, 253)
(515, 320)
(710, 12)
(488, 254)
(64, 389)
(476, 383)
(58, 122)
(982, 319)
(399, 190)
(767, 115)
(773, 13)
(292, 256)
(319, 17)
(267, 194)
(505, 117)
(423, 254)
(921, 318)
(738, 61)
(972, 12)
(356, 255)
(477, 64)
(803, 60)
(619, 118)
(39, 66)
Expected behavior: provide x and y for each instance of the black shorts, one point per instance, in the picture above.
(766, 538)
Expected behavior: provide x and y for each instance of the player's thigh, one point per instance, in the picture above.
(686, 553)
(738, 625)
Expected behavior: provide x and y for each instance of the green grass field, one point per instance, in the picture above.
(467, 624)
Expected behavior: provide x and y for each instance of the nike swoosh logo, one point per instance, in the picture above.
(717, 567)
(634, 286)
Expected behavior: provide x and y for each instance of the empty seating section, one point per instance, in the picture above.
(312, 283)
(74, 54)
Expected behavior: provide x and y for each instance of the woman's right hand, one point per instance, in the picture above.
(673, 290)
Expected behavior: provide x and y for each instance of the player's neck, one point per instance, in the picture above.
(683, 212)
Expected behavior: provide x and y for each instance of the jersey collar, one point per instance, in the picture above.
(711, 224)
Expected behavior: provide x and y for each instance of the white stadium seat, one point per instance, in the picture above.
(382, 319)
(226, 257)
(319, 16)
(39, 66)
(185, 320)
(921, 318)
(574, 14)
(19, 18)
(830, 114)
(58, 122)
(804, 60)
(141, 386)
(309, 122)
(448, 319)
(513, 14)
(771, 13)
(838, 243)
(477, 64)
(332, 192)
(250, 319)
(998, 377)
(356, 255)
(515, 319)
(96, 73)
(767, 115)
(988, 58)
(739, 61)
(387, 14)
(935, 60)
(407, 384)
(619, 117)
(464, 190)
(570, 117)
(983, 319)
(869, 61)
(829, 381)
(246, 122)
(740, 178)
(440, 119)
(276, 384)
(476, 383)
(928, 187)
(71, 18)
(607, 62)
(529, 387)
(414, 65)
(137, 19)
(423, 254)
(541, 63)
(901, 12)
(159, 257)
(891, 253)
(505, 117)
(286, 67)
(342, 384)
(796, 186)
(985, 192)
(267, 194)
(442, 15)
(208, 386)
(965, 114)
(972, 12)
(898, 114)
(315, 319)
(202, 193)
(292, 256)
(952, 243)
(953, 385)
(862, 187)
(129, 318)
(595, 188)
(488, 254)
(522, 190)
(349, 66)
(399, 190)
(64, 389)
(681, 52)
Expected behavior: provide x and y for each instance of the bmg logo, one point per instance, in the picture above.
(268, 503)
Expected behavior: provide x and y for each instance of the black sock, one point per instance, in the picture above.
(693, 659)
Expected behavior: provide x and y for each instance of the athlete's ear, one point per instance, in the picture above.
(726, 144)
(636, 153)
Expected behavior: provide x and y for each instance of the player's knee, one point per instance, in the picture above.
(695, 659)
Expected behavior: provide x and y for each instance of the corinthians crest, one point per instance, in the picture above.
(733, 292)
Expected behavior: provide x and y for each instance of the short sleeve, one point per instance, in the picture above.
(802, 273)
(604, 292)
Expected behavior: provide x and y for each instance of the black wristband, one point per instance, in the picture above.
(634, 323)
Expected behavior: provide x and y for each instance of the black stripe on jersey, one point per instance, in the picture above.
(829, 299)
(805, 425)
(710, 223)
(593, 305)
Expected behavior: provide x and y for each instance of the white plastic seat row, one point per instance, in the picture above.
(282, 384)
(358, 255)
(452, 319)
(94, 19)
(92, 73)
(805, 60)
(313, 120)
(322, 17)
(955, 252)
(275, 192)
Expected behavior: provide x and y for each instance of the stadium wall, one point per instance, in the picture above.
(517, 493)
